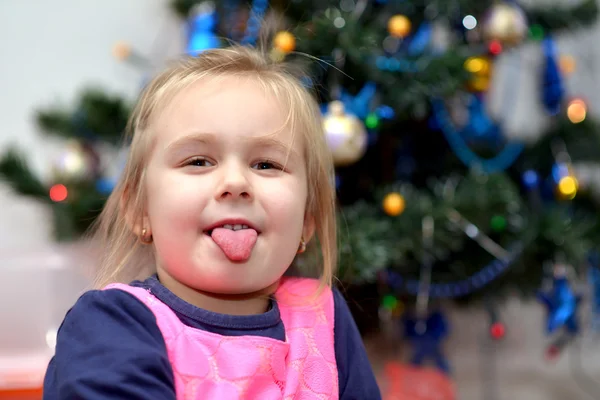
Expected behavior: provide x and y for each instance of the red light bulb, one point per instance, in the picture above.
(495, 47)
(497, 330)
(58, 193)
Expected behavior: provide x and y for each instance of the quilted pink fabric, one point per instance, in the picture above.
(211, 366)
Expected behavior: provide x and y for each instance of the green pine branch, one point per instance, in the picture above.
(581, 141)
(98, 116)
(372, 240)
(182, 8)
(72, 217)
(16, 173)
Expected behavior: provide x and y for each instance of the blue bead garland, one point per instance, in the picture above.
(458, 288)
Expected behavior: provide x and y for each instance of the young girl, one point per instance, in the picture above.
(228, 178)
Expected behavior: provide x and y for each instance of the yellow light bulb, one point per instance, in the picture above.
(567, 187)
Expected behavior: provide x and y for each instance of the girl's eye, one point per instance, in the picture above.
(200, 162)
(264, 165)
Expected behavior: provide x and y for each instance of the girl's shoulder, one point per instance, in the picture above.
(107, 310)
(106, 338)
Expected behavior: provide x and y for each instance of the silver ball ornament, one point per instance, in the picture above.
(346, 135)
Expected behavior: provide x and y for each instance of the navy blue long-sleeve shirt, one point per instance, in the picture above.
(110, 347)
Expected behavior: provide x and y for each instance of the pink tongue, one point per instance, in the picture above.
(237, 245)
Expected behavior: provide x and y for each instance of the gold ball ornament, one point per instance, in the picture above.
(285, 42)
(399, 26)
(506, 23)
(394, 204)
(577, 111)
(481, 68)
(122, 51)
(346, 135)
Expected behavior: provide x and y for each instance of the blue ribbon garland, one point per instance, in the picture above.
(499, 163)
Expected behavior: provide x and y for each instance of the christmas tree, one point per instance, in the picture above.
(440, 194)
(420, 133)
(83, 176)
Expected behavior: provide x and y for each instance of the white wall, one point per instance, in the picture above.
(51, 50)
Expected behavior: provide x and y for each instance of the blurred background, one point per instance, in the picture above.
(466, 140)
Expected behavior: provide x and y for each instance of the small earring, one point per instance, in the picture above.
(145, 238)
(302, 247)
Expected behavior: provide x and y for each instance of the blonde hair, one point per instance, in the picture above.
(124, 257)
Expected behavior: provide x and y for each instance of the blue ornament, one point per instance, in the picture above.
(420, 40)
(201, 28)
(105, 186)
(562, 305)
(559, 171)
(359, 105)
(531, 179)
(385, 112)
(553, 90)
(257, 11)
(426, 336)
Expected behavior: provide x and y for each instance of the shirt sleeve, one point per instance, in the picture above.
(109, 347)
(356, 378)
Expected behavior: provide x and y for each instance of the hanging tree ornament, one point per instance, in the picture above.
(506, 23)
(481, 69)
(553, 90)
(201, 28)
(394, 204)
(577, 110)
(285, 42)
(497, 329)
(74, 164)
(427, 329)
(399, 26)
(562, 306)
(346, 135)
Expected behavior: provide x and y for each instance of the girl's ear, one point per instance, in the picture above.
(308, 230)
(136, 222)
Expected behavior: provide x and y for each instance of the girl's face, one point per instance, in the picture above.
(224, 155)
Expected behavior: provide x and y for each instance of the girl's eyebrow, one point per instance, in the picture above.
(195, 138)
(269, 142)
(264, 142)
